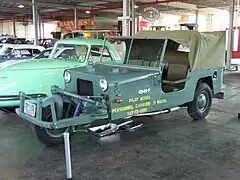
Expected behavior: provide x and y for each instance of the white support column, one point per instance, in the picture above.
(209, 22)
(138, 23)
(196, 20)
(35, 22)
(211, 16)
(230, 35)
(14, 26)
(43, 30)
(133, 17)
(125, 18)
(75, 19)
(25, 31)
(237, 12)
(39, 25)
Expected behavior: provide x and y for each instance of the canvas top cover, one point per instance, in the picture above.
(207, 49)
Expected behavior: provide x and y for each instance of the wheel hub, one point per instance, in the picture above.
(202, 102)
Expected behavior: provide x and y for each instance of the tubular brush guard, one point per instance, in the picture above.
(56, 104)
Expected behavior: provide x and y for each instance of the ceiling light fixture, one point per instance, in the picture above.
(20, 6)
(87, 12)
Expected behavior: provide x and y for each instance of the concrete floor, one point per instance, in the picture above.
(170, 147)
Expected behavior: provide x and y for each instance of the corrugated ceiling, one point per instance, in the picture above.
(63, 9)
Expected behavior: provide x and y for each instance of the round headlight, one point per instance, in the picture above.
(67, 76)
(103, 84)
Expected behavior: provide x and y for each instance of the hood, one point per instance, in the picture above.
(117, 73)
(4, 58)
(9, 63)
(37, 64)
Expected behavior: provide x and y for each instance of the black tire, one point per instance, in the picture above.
(197, 109)
(51, 137)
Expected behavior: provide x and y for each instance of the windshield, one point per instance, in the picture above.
(97, 51)
(145, 51)
(43, 54)
(70, 51)
(120, 47)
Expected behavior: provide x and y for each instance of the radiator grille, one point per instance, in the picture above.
(84, 88)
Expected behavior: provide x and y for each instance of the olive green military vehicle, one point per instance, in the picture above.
(162, 70)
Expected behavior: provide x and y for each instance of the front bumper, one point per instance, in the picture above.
(54, 103)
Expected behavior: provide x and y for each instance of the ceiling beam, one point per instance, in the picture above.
(16, 10)
(49, 4)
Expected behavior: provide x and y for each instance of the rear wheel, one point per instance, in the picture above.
(52, 137)
(202, 102)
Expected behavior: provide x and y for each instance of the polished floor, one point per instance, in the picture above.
(169, 147)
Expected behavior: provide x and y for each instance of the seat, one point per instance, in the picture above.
(152, 63)
(139, 62)
(176, 57)
(146, 63)
(135, 62)
(176, 77)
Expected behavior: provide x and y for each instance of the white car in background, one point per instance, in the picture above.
(19, 51)
(44, 54)
(4, 38)
(1, 45)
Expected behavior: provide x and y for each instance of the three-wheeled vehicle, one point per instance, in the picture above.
(155, 77)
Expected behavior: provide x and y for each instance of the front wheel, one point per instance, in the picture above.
(202, 102)
(53, 137)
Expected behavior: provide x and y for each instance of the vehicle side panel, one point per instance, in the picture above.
(136, 96)
(177, 98)
(134, 103)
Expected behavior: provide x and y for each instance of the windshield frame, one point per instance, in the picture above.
(55, 51)
(129, 47)
(112, 51)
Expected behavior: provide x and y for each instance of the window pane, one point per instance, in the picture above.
(26, 52)
(70, 52)
(36, 51)
(96, 52)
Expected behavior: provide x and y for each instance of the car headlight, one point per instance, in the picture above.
(103, 84)
(67, 76)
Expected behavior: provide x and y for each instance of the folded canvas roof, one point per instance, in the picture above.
(207, 49)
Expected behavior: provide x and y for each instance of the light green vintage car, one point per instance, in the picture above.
(36, 76)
